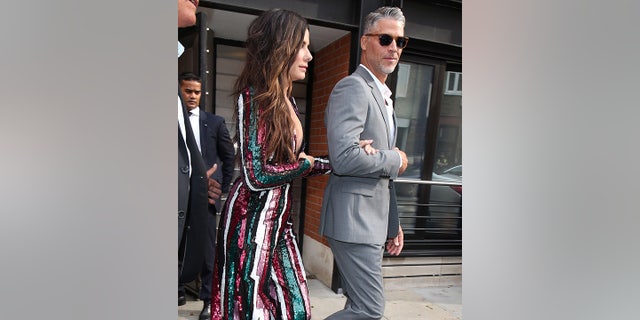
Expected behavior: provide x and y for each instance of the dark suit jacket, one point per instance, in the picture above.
(192, 205)
(216, 147)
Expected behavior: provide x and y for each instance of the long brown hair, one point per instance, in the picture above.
(273, 41)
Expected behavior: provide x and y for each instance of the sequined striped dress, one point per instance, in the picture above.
(258, 271)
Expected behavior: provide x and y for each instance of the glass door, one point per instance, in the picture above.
(428, 120)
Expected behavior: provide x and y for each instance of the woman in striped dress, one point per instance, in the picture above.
(258, 271)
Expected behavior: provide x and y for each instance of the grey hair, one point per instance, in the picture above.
(382, 13)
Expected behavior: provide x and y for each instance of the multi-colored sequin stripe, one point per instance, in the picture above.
(258, 272)
(259, 174)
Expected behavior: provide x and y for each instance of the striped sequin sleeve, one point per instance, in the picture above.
(321, 165)
(258, 172)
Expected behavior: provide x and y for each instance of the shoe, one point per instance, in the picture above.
(182, 300)
(205, 314)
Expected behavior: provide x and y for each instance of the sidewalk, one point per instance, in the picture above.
(435, 303)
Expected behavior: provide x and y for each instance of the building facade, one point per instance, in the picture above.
(427, 94)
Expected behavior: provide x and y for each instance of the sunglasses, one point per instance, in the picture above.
(385, 39)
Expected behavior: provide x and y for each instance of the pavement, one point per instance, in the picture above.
(432, 303)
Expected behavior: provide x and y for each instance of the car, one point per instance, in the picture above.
(454, 174)
(442, 215)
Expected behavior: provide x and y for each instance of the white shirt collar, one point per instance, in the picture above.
(386, 92)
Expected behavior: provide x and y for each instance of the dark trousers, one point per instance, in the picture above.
(206, 273)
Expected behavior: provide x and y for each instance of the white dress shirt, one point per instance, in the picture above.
(386, 94)
(194, 117)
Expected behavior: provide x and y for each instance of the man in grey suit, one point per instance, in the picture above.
(359, 212)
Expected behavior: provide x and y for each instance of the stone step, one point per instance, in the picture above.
(422, 272)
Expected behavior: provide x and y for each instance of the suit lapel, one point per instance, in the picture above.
(197, 163)
(203, 132)
(395, 136)
(182, 148)
(377, 96)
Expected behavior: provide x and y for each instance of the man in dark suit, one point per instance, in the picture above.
(195, 188)
(216, 146)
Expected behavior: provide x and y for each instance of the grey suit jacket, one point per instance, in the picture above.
(358, 197)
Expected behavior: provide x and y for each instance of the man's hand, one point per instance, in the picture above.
(366, 146)
(214, 189)
(405, 161)
(395, 245)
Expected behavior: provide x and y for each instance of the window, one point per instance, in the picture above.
(454, 83)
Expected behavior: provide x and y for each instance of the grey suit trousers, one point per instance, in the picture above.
(360, 266)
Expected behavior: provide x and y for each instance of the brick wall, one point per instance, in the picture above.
(331, 65)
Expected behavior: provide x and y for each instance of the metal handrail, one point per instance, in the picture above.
(428, 182)
(436, 233)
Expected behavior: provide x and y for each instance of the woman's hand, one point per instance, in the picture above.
(304, 155)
